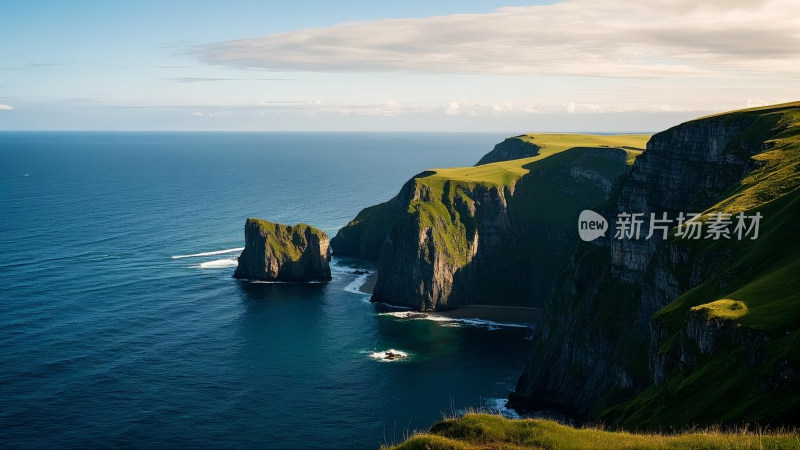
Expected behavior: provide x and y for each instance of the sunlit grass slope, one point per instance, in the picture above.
(365, 235)
(483, 431)
(546, 198)
(507, 172)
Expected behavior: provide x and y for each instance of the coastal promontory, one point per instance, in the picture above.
(276, 252)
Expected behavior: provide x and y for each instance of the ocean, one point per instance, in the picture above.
(120, 324)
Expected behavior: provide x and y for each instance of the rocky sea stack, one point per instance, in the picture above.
(276, 252)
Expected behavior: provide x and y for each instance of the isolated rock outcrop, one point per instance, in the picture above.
(275, 252)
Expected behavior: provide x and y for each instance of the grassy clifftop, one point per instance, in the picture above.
(366, 234)
(473, 235)
(506, 173)
(482, 431)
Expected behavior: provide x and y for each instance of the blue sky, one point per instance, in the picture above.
(575, 65)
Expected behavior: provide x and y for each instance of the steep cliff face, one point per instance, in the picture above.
(512, 148)
(275, 252)
(491, 234)
(445, 234)
(365, 235)
(644, 332)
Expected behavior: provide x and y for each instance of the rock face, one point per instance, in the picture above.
(445, 242)
(426, 260)
(627, 335)
(511, 148)
(275, 252)
(640, 333)
(365, 235)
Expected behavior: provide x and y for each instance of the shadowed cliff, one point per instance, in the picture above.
(648, 333)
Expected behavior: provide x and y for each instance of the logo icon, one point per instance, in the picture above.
(591, 225)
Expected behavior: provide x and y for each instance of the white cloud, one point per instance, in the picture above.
(612, 38)
(197, 114)
(6, 107)
(452, 108)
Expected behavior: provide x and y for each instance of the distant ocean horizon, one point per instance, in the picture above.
(120, 324)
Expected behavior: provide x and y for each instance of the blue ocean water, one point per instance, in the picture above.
(107, 339)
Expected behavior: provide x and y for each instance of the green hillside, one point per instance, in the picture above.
(482, 431)
(753, 294)
(507, 172)
(365, 235)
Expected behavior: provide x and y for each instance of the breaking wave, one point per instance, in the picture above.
(216, 252)
(389, 355)
(451, 321)
(218, 263)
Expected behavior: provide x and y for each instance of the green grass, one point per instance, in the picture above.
(285, 239)
(760, 273)
(483, 431)
(550, 195)
(779, 171)
(723, 309)
(766, 108)
(446, 194)
(753, 286)
(506, 173)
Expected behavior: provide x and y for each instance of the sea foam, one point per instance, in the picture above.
(216, 252)
(451, 321)
(389, 355)
(218, 263)
(354, 287)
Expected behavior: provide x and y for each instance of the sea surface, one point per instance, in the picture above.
(120, 324)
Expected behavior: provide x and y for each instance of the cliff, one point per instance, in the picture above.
(275, 252)
(651, 333)
(474, 235)
(636, 332)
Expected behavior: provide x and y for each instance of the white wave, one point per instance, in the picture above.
(283, 282)
(451, 321)
(216, 252)
(389, 355)
(218, 263)
(355, 286)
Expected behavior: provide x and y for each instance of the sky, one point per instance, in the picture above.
(358, 65)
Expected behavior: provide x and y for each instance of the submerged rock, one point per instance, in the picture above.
(275, 252)
(389, 355)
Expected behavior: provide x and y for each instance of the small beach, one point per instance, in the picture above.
(516, 315)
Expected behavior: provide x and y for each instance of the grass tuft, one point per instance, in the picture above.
(723, 309)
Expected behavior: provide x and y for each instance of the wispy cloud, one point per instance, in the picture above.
(612, 38)
(207, 79)
(6, 107)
